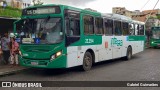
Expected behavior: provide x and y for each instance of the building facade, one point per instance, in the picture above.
(19, 3)
(123, 11)
(136, 15)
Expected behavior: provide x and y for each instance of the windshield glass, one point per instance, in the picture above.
(47, 30)
(156, 34)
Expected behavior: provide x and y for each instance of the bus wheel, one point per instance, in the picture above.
(87, 61)
(129, 53)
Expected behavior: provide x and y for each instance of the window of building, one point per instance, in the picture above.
(88, 25)
(125, 28)
(108, 24)
(99, 26)
(117, 28)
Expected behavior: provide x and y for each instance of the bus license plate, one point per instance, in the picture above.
(34, 63)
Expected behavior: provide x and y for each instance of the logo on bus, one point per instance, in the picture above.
(115, 41)
(89, 40)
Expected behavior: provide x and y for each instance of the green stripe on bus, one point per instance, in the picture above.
(136, 38)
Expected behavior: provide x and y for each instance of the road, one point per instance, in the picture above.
(142, 67)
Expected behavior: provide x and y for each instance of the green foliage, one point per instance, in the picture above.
(158, 16)
(10, 12)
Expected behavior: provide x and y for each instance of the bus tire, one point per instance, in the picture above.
(128, 54)
(87, 61)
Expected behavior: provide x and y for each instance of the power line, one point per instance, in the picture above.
(144, 5)
(152, 11)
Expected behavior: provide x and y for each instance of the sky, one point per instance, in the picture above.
(105, 6)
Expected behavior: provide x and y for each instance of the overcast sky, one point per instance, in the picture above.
(105, 6)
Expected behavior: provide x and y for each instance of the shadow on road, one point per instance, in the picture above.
(57, 72)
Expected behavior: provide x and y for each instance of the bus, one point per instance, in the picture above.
(60, 36)
(155, 37)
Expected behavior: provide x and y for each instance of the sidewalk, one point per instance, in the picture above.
(8, 69)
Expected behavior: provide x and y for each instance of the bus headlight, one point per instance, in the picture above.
(59, 53)
(152, 42)
(54, 56)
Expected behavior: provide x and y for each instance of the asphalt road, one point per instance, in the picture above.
(142, 67)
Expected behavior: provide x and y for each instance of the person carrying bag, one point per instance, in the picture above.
(14, 51)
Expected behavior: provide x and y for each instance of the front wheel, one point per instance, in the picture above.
(87, 61)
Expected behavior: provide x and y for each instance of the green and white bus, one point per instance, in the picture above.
(155, 37)
(60, 36)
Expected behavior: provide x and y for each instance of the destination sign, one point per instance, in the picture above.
(41, 10)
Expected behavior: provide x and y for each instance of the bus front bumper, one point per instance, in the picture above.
(153, 44)
(59, 62)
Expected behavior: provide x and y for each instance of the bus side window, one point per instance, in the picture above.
(136, 29)
(141, 30)
(117, 28)
(72, 27)
(131, 29)
(108, 30)
(88, 25)
(98, 26)
(125, 28)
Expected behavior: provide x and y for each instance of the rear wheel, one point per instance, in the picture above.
(128, 54)
(87, 61)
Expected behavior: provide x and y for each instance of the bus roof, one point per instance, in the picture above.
(116, 16)
(120, 17)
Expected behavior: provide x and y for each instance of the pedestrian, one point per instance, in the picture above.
(1, 52)
(14, 51)
(5, 45)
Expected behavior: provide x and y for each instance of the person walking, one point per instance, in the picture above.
(14, 51)
(5, 45)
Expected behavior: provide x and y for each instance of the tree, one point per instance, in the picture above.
(37, 2)
(158, 16)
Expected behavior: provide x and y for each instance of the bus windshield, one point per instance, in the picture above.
(156, 34)
(43, 31)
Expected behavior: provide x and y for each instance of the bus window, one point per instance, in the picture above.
(72, 23)
(141, 30)
(99, 26)
(88, 25)
(125, 28)
(108, 27)
(136, 29)
(117, 28)
(131, 29)
(74, 27)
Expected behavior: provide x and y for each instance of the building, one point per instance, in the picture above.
(123, 11)
(19, 3)
(142, 16)
(148, 16)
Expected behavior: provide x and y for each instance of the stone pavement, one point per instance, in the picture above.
(8, 69)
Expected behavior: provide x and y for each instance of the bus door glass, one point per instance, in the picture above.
(72, 26)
